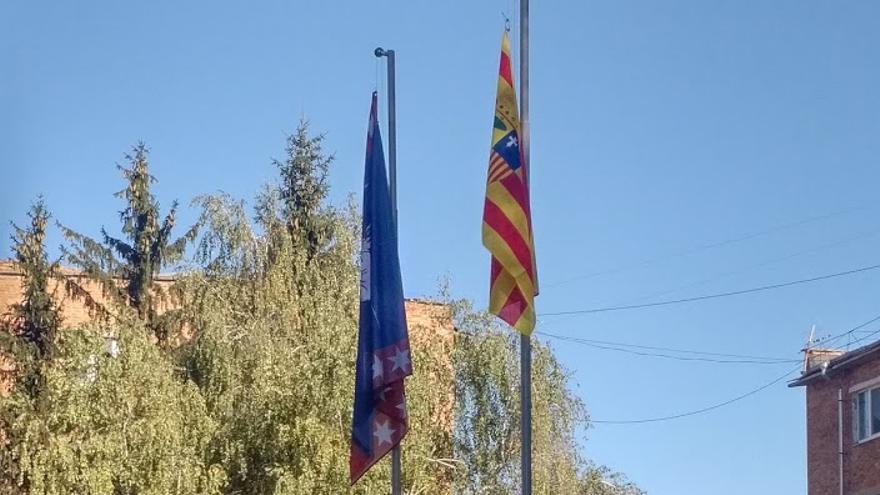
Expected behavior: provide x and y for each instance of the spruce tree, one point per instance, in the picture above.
(36, 318)
(126, 268)
(298, 202)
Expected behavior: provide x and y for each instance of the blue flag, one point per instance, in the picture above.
(379, 420)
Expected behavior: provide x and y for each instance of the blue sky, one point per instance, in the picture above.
(657, 128)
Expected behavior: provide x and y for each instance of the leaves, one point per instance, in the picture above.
(123, 425)
(130, 279)
(255, 397)
(487, 416)
(297, 202)
(274, 358)
(36, 319)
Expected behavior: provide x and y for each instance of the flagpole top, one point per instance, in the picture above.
(381, 52)
(506, 22)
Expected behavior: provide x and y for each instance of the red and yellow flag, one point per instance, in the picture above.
(507, 223)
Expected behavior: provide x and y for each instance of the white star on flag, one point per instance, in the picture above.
(383, 433)
(511, 141)
(383, 392)
(400, 360)
(402, 407)
(378, 369)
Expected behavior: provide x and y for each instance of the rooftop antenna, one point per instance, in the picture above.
(810, 342)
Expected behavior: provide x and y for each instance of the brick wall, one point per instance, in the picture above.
(431, 328)
(861, 461)
(430, 323)
(73, 313)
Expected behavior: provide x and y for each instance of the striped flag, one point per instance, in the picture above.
(507, 223)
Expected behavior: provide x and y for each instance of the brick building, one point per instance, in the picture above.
(421, 314)
(843, 420)
(430, 323)
(72, 313)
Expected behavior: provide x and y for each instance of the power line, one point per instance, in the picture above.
(700, 355)
(751, 267)
(841, 335)
(698, 411)
(711, 245)
(747, 394)
(712, 296)
(685, 358)
(657, 348)
(861, 339)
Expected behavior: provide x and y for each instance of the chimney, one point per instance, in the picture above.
(817, 357)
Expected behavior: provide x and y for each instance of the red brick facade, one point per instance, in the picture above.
(72, 313)
(861, 461)
(430, 323)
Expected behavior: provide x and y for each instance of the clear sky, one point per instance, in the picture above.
(658, 128)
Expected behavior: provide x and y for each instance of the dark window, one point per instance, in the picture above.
(867, 414)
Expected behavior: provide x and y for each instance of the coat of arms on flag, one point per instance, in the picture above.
(507, 224)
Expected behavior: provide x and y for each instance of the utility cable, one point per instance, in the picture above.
(752, 267)
(745, 395)
(657, 348)
(712, 245)
(863, 338)
(829, 340)
(701, 356)
(713, 296)
(698, 411)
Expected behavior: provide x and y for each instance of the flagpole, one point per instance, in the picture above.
(525, 354)
(392, 135)
(392, 185)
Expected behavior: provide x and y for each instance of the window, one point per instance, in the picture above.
(867, 414)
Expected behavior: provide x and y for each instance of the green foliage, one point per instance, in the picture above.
(487, 417)
(275, 324)
(36, 319)
(126, 269)
(274, 359)
(296, 203)
(228, 245)
(304, 185)
(29, 329)
(257, 399)
(117, 426)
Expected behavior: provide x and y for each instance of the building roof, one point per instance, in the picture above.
(837, 364)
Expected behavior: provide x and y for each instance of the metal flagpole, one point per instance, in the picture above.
(525, 353)
(392, 185)
(525, 367)
(392, 135)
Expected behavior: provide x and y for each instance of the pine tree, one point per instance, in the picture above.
(31, 325)
(127, 268)
(298, 201)
(36, 318)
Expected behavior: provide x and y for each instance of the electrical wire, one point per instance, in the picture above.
(742, 396)
(863, 338)
(748, 268)
(657, 348)
(700, 355)
(698, 411)
(827, 342)
(712, 296)
(712, 245)
(693, 358)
